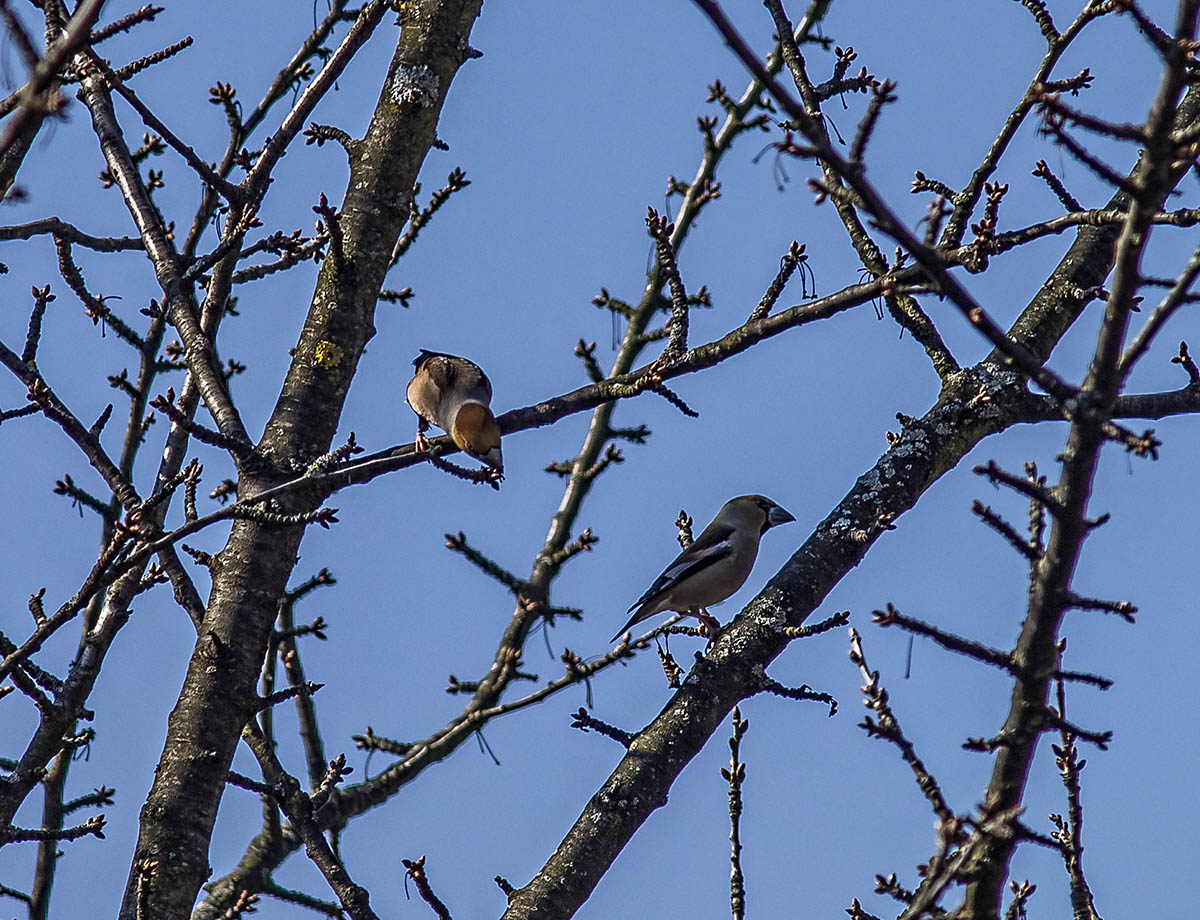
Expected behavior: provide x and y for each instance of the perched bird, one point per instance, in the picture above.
(714, 566)
(454, 394)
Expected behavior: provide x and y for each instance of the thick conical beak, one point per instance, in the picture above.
(493, 459)
(778, 516)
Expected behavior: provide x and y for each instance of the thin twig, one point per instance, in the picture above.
(888, 728)
(735, 775)
(415, 869)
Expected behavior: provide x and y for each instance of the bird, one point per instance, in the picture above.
(714, 566)
(454, 393)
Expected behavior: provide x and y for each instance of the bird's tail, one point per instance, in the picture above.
(640, 614)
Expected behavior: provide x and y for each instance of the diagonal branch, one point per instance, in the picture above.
(1037, 650)
(75, 35)
(870, 201)
(227, 190)
(178, 300)
(84, 439)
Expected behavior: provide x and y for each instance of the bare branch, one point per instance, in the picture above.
(125, 23)
(1042, 16)
(661, 231)
(1021, 544)
(300, 810)
(735, 775)
(792, 259)
(1171, 303)
(133, 68)
(415, 869)
(1042, 171)
(1070, 830)
(74, 35)
(893, 617)
(93, 827)
(455, 182)
(585, 721)
(889, 729)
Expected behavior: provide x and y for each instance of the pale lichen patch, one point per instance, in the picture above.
(414, 84)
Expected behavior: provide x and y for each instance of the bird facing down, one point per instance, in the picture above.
(715, 565)
(454, 394)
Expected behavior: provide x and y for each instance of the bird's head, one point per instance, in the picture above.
(755, 511)
(475, 431)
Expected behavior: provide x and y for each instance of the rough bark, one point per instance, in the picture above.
(928, 448)
(250, 574)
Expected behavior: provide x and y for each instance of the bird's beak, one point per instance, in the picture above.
(493, 459)
(778, 516)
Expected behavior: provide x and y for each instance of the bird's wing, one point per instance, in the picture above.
(712, 546)
(455, 374)
(442, 370)
(472, 382)
(434, 378)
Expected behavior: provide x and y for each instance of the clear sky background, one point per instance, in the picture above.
(568, 127)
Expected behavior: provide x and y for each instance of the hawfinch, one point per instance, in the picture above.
(714, 566)
(454, 393)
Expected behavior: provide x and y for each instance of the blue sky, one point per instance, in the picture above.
(568, 127)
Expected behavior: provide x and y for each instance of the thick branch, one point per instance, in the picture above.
(202, 731)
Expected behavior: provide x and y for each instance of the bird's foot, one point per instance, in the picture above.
(709, 625)
(421, 443)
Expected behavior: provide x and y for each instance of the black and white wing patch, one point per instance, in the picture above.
(711, 548)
